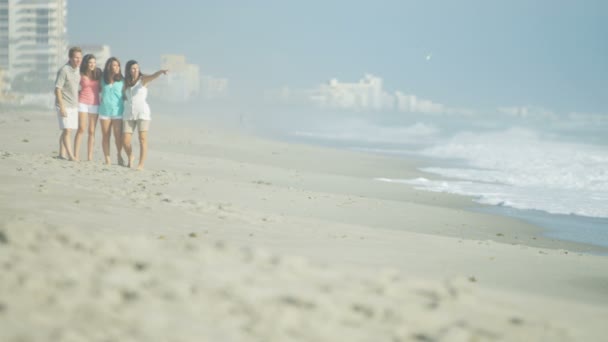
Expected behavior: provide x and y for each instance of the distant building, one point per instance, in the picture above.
(214, 87)
(3, 83)
(182, 83)
(101, 52)
(36, 39)
(411, 103)
(4, 35)
(365, 94)
(32, 43)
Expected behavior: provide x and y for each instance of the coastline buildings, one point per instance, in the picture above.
(413, 104)
(3, 83)
(365, 94)
(32, 41)
(4, 36)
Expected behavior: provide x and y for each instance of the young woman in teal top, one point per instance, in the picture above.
(111, 107)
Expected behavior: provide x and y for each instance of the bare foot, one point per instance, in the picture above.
(140, 167)
(131, 160)
(108, 160)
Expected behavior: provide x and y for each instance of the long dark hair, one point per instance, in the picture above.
(129, 81)
(94, 75)
(107, 71)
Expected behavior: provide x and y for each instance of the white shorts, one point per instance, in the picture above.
(87, 108)
(70, 121)
(103, 117)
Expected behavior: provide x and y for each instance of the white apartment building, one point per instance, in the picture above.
(411, 103)
(33, 37)
(365, 94)
(4, 39)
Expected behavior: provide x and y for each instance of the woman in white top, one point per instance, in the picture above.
(137, 110)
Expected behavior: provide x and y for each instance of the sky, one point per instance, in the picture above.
(549, 54)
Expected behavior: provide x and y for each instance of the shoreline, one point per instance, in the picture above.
(583, 230)
(552, 231)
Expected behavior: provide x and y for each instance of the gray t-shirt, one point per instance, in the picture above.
(68, 80)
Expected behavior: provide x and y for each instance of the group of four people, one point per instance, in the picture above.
(84, 93)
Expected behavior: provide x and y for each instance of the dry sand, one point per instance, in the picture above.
(228, 237)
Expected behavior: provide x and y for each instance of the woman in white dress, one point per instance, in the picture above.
(136, 113)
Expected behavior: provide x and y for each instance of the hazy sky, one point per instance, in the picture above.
(485, 54)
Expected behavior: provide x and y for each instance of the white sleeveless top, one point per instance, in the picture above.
(136, 105)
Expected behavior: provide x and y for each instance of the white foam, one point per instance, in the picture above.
(362, 131)
(518, 168)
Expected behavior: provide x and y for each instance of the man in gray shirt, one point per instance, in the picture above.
(66, 100)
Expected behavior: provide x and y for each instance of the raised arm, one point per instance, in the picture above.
(149, 78)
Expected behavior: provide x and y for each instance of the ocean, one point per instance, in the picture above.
(552, 174)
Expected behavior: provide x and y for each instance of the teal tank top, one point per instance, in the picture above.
(111, 99)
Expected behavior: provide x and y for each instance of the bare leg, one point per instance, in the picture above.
(62, 151)
(106, 131)
(117, 128)
(67, 144)
(126, 143)
(143, 149)
(82, 124)
(91, 142)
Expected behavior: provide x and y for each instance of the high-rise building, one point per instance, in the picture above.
(365, 94)
(32, 38)
(4, 39)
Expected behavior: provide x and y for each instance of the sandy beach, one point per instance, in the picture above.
(230, 237)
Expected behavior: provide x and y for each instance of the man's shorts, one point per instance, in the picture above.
(70, 121)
